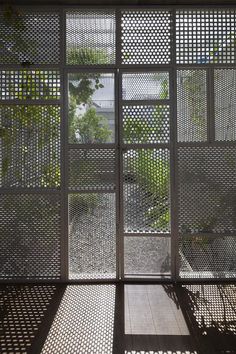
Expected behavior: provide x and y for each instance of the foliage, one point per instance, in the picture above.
(13, 44)
(82, 86)
(91, 127)
(193, 85)
(164, 89)
(26, 124)
(152, 173)
(87, 56)
(138, 130)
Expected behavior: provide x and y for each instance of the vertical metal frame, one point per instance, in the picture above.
(174, 159)
(119, 216)
(64, 163)
(121, 191)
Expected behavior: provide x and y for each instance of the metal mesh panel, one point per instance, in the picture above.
(145, 86)
(225, 104)
(30, 146)
(92, 236)
(92, 169)
(205, 36)
(30, 37)
(30, 236)
(84, 322)
(203, 256)
(29, 84)
(145, 37)
(91, 107)
(147, 255)
(146, 124)
(207, 192)
(25, 308)
(213, 309)
(90, 36)
(146, 190)
(191, 105)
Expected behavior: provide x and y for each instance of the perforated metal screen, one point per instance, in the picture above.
(146, 190)
(192, 105)
(92, 169)
(146, 37)
(29, 37)
(30, 145)
(205, 36)
(225, 104)
(117, 143)
(92, 245)
(29, 84)
(30, 243)
(207, 177)
(90, 36)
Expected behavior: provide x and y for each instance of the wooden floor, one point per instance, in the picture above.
(119, 319)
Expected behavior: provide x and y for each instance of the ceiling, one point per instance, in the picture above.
(119, 2)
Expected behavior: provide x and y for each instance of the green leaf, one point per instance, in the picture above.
(5, 165)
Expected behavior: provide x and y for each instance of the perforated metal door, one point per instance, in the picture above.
(145, 194)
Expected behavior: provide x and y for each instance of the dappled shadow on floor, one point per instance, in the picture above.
(84, 322)
(211, 313)
(57, 319)
(26, 313)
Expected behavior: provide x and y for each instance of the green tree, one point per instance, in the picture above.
(91, 127)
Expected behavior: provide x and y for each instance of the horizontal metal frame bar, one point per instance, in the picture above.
(31, 67)
(145, 102)
(155, 146)
(193, 281)
(133, 68)
(147, 235)
(39, 67)
(142, 68)
(31, 102)
(147, 278)
(19, 190)
(108, 146)
(203, 66)
(126, 68)
(215, 66)
(204, 235)
(84, 191)
(87, 69)
(148, 275)
(206, 143)
(124, 7)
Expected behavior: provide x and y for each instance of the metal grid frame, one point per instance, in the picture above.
(172, 67)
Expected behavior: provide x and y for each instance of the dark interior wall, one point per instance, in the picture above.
(119, 2)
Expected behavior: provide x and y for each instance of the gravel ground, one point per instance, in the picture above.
(93, 242)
